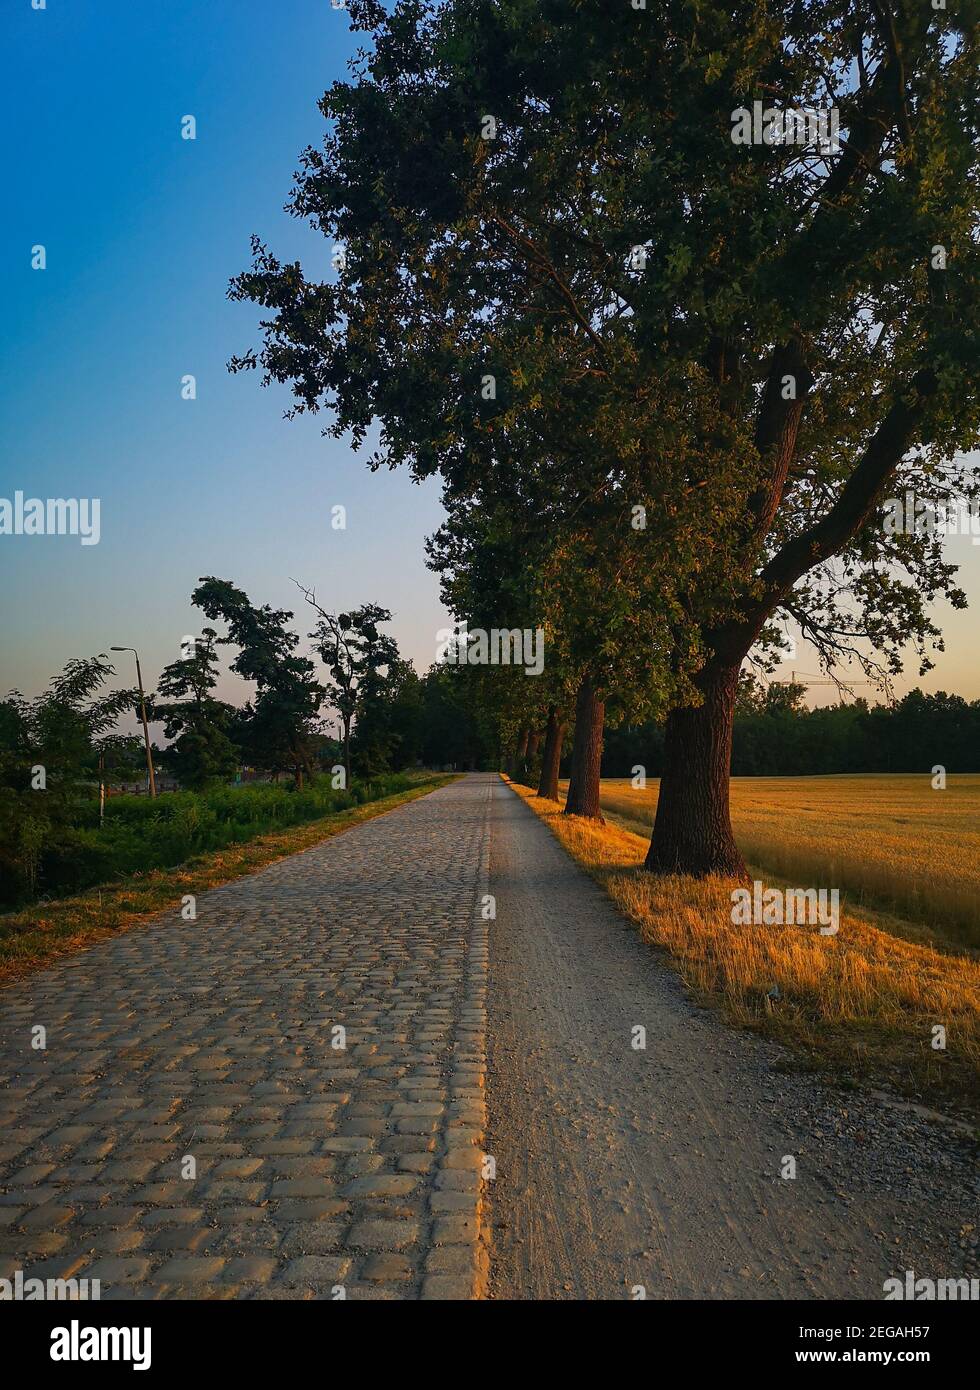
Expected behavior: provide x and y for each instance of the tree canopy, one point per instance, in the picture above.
(556, 257)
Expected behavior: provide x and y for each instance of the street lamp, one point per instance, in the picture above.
(146, 731)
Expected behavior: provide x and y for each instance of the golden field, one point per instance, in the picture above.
(862, 1003)
(885, 841)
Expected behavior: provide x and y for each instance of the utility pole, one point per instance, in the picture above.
(146, 730)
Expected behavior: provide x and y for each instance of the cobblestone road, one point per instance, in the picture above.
(190, 1128)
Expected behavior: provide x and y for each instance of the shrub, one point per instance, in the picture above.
(140, 834)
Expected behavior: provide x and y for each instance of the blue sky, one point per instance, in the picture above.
(142, 231)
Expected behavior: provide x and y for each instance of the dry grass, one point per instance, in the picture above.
(37, 935)
(862, 1003)
(886, 841)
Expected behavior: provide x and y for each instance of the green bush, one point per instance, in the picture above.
(141, 834)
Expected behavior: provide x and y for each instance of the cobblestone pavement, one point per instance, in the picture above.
(192, 1128)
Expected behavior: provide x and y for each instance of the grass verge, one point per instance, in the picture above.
(36, 935)
(861, 1005)
(891, 841)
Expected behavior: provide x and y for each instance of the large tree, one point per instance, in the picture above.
(388, 733)
(458, 731)
(358, 657)
(487, 554)
(278, 729)
(201, 750)
(554, 246)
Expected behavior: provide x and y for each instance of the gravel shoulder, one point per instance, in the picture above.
(660, 1168)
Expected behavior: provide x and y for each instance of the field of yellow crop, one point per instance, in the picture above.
(885, 841)
(864, 1002)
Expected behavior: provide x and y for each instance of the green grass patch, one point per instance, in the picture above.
(35, 935)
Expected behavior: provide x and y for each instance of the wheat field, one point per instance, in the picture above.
(864, 1002)
(888, 841)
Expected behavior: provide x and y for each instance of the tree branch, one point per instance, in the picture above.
(831, 533)
(777, 426)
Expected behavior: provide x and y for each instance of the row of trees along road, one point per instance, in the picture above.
(667, 379)
(60, 749)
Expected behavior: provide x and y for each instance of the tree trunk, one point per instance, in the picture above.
(533, 739)
(583, 784)
(346, 754)
(551, 758)
(692, 833)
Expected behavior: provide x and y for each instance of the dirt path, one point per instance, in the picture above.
(660, 1168)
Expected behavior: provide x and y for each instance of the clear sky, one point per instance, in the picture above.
(142, 231)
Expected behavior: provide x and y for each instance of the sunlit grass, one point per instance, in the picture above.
(863, 1002)
(887, 841)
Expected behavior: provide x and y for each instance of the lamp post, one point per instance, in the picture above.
(146, 731)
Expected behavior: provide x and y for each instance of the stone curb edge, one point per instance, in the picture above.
(457, 1268)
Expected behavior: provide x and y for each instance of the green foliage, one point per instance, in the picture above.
(141, 834)
(362, 662)
(53, 750)
(458, 728)
(279, 731)
(775, 736)
(389, 725)
(661, 385)
(201, 750)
